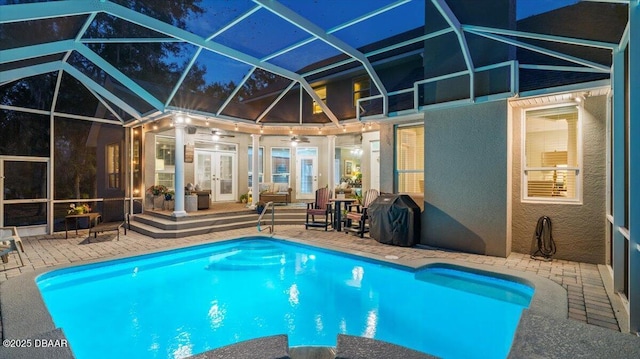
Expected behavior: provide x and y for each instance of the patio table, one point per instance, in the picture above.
(93, 220)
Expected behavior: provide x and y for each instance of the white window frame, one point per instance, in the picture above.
(398, 171)
(168, 170)
(317, 109)
(113, 165)
(271, 164)
(260, 174)
(579, 169)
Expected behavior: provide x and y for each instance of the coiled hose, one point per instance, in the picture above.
(546, 245)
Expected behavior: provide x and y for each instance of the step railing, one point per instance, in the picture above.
(273, 217)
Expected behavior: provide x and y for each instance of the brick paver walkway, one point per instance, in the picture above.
(587, 298)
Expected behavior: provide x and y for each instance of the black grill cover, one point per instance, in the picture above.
(394, 219)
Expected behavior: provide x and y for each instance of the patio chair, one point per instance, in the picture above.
(359, 217)
(113, 218)
(321, 207)
(10, 241)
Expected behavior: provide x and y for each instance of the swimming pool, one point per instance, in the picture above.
(182, 302)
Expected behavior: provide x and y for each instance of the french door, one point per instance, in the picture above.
(306, 172)
(216, 171)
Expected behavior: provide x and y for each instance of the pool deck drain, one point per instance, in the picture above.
(586, 297)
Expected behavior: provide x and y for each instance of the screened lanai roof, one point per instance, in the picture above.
(258, 61)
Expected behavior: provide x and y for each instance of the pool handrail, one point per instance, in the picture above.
(273, 218)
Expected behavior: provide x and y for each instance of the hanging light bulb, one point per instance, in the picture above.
(290, 130)
(344, 128)
(236, 128)
(261, 129)
(215, 137)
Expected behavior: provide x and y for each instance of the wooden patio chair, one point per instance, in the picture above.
(321, 207)
(9, 242)
(359, 217)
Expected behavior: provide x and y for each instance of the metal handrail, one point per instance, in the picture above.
(273, 217)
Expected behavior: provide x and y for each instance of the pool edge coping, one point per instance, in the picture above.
(20, 294)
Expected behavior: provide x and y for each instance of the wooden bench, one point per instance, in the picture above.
(113, 218)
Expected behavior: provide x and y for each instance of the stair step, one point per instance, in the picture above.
(162, 225)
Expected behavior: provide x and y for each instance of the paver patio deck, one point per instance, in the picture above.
(587, 298)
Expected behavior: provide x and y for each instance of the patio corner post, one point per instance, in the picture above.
(634, 166)
(179, 126)
(255, 190)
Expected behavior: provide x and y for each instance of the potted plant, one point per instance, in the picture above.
(158, 192)
(169, 204)
(79, 209)
(260, 207)
(244, 197)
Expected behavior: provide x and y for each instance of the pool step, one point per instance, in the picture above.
(349, 347)
(163, 225)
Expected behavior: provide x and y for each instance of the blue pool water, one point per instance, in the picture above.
(182, 302)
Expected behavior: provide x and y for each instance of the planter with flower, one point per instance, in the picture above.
(81, 208)
(157, 191)
(169, 203)
(259, 207)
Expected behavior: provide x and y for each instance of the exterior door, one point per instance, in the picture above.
(306, 172)
(24, 184)
(375, 165)
(216, 171)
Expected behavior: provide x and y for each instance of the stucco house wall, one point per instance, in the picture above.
(465, 173)
(578, 229)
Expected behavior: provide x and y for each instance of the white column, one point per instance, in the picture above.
(255, 181)
(331, 150)
(179, 174)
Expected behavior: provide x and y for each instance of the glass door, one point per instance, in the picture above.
(216, 171)
(224, 176)
(374, 179)
(306, 172)
(24, 184)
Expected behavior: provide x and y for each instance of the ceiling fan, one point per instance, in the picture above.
(297, 139)
(217, 134)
